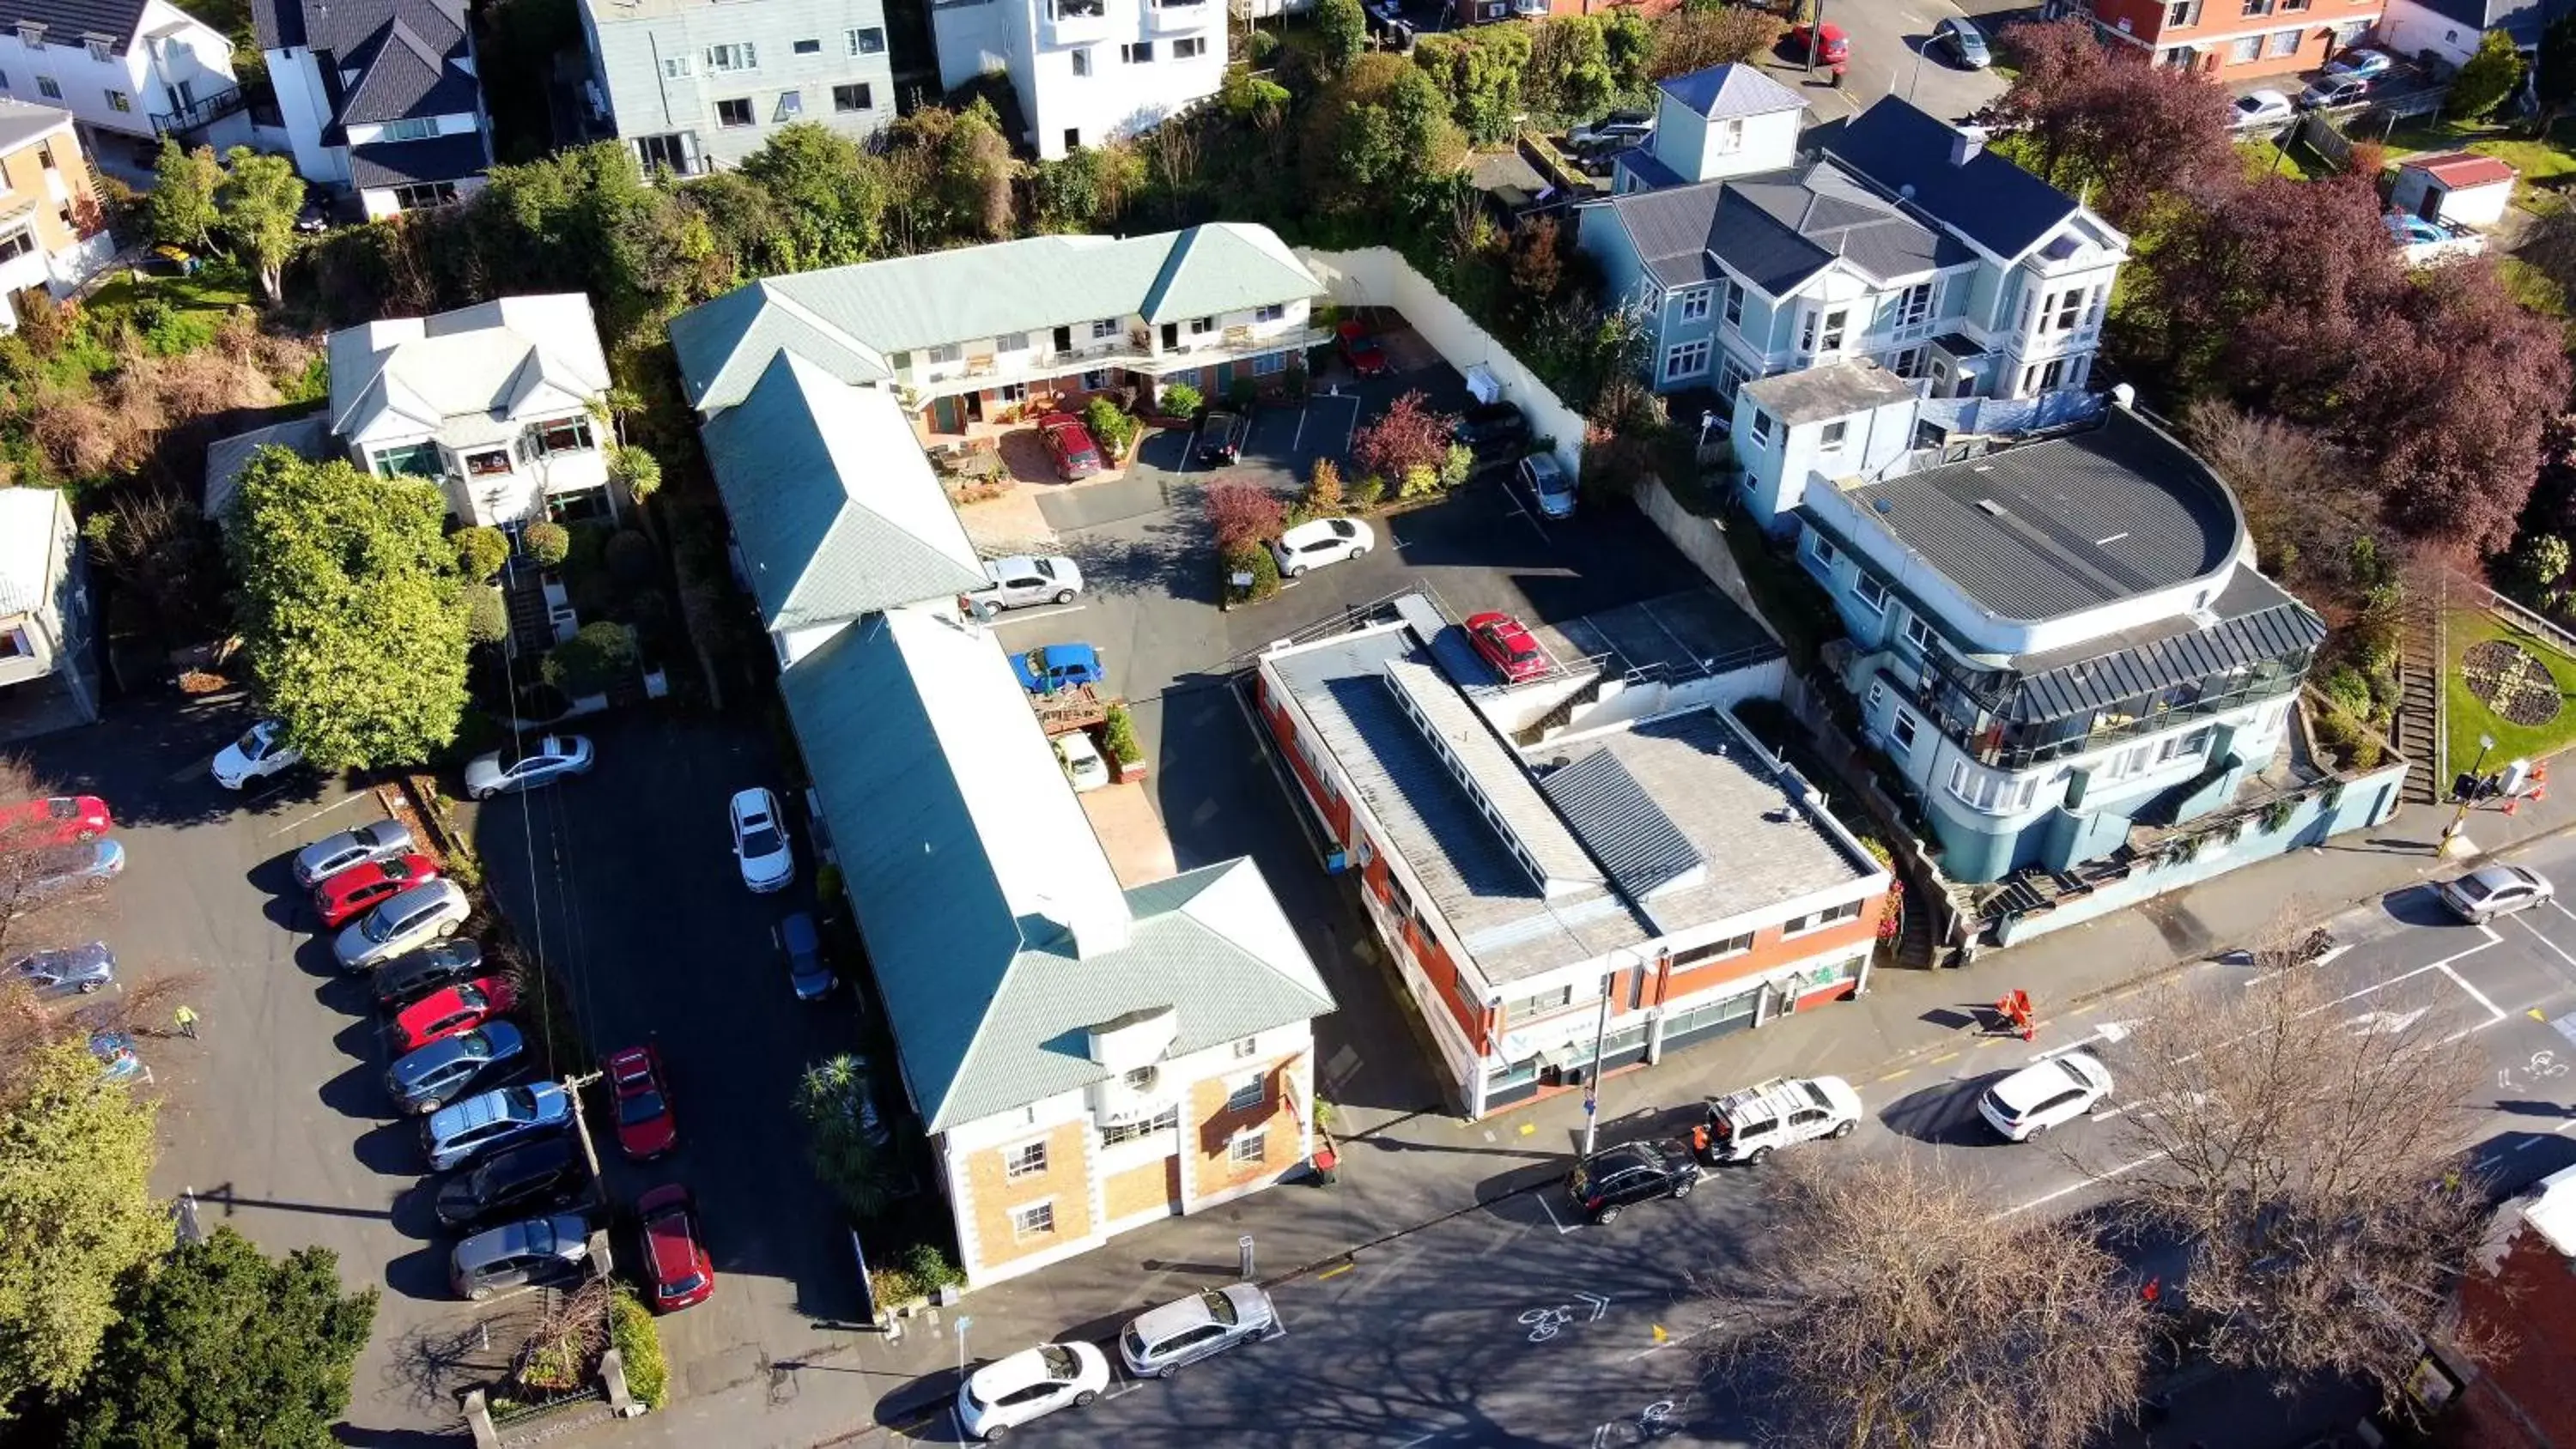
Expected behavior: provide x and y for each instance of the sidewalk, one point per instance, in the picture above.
(1411, 1171)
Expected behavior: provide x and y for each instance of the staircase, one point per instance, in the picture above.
(2418, 725)
(532, 629)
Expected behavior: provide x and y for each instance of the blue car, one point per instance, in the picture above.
(61, 872)
(1058, 666)
(117, 1060)
(803, 947)
(67, 970)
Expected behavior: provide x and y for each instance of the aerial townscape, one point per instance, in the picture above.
(1410, 724)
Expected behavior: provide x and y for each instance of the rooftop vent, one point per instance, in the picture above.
(1990, 506)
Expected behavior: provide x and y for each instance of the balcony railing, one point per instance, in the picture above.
(1178, 17)
(1135, 350)
(1077, 22)
(1967, 708)
(200, 113)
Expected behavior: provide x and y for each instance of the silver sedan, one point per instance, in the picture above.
(327, 857)
(524, 767)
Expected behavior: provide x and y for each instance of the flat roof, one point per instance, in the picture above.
(1680, 632)
(1838, 389)
(2063, 524)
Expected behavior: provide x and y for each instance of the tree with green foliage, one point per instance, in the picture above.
(2486, 78)
(591, 660)
(836, 1102)
(260, 198)
(1109, 426)
(826, 194)
(1255, 99)
(1090, 189)
(1699, 36)
(481, 552)
(639, 472)
(1180, 400)
(77, 1215)
(549, 543)
(1342, 28)
(1375, 135)
(949, 178)
(223, 1345)
(180, 207)
(1479, 70)
(349, 603)
(2553, 75)
(487, 614)
(1629, 43)
(1570, 73)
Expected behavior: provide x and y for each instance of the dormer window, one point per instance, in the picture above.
(31, 35)
(101, 47)
(1144, 1079)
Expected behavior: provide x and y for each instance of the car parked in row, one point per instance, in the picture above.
(677, 1271)
(645, 1127)
(1959, 38)
(1607, 1182)
(66, 970)
(1616, 131)
(760, 847)
(1030, 1384)
(1321, 541)
(449, 1010)
(332, 854)
(1549, 486)
(422, 1081)
(1023, 579)
(457, 1134)
(2332, 89)
(57, 820)
(802, 944)
(536, 1175)
(1069, 444)
(407, 922)
(2045, 1094)
(2260, 108)
(262, 751)
(341, 898)
(1162, 1341)
(1221, 438)
(1059, 666)
(526, 766)
(1494, 429)
(413, 975)
(1748, 1126)
(65, 869)
(519, 1255)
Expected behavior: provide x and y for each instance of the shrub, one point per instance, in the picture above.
(1243, 392)
(1408, 435)
(481, 552)
(547, 543)
(1122, 734)
(487, 617)
(2348, 689)
(827, 885)
(589, 662)
(1181, 400)
(1323, 495)
(1365, 494)
(929, 1267)
(854, 1169)
(639, 1347)
(629, 557)
(1420, 481)
(1110, 427)
(1458, 466)
(640, 471)
(890, 1286)
(1263, 46)
(1241, 513)
(1253, 559)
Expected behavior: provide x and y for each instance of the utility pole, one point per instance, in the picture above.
(2460, 817)
(1592, 1078)
(581, 1133)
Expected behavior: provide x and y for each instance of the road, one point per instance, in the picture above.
(1888, 59)
(1507, 1326)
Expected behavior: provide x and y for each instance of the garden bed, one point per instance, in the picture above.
(2477, 705)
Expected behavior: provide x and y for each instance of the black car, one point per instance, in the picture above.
(1492, 429)
(413, 975)
(1221, 437)
(517, 1182)
(1609, 1181)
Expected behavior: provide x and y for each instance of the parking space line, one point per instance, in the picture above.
(2494, 1012)
(2544, 940)
(1550, 1209)
(2123, 1170)
(313, 815)
(1031, 616)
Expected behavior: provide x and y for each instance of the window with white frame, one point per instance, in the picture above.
(1105, 327)
(1189, 47)
(1914, 305)
(49, 88)
(1138, 1131)
(1726, 137)
(1760, 431)
(1991, 792)
(1137, 52)
(1734, 304)
(1832, 338)
(739, 56)
(1686, 359)
(410, 128)
(1871, 593)
(812, 45)
(1818, 920)
(1033, 1220)
(1248, 1093)
(1730, 376)
(1082, 61)
(119, 101)
(16, 242)
(1274, 312)
(1823, 551)
(1026, 1160)
(1831, 438)
(735, 112)
(1876, 699)
(853, 97)
(1011, 342)
(1270, 364)
(1909, 362)
(2284, 42)
(945, 352)
(2179, 13)
(1905, 729)
(1248, 1047)
(867, 41)
(1918, 633)
(2248, 48)
(1693, 304)
(1712, 950)
(1202, 326)
(1248, 1149)
(1541, 1004)
(2070, 308)
(679, 67)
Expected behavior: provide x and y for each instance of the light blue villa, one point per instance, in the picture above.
(1901, 241)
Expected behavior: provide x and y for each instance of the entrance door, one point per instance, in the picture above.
(2430, 208)
(943, 416)
(1224, 377)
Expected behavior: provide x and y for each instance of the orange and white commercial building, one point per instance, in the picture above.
(53, 234)
(1666, 865)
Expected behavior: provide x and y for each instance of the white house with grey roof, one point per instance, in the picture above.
(1085, 1058)
(380, 97)
(1087, 72)
(1901, 241)
(129, 68)
(692, 85)
(961, 335)
(2062, 645)
(1668, 864)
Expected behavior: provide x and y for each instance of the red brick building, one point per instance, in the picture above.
(2232, 40)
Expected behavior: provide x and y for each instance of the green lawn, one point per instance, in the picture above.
(2544, 163)
(2469, 716)
(214, 290)
(2265, 156)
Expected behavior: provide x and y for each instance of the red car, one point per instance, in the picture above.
(353, 892)
(675, 1252)
(1360, 349)
(1507, 646)
(645, 1127)
(1836, 49)
(1069, 443)
(443, 1014)
(61, 820)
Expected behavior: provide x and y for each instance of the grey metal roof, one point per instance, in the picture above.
(2257, 622)
(398, 163)
(973, 873)
(2062, 524)
(832, 502)
(1988, 200)
(1641, 845)
(1779, 228)
(307, 437)
(412, 56)
(1837, 389)
(66, 21)
(1731, 90)
(866, 313)
(1493, 775)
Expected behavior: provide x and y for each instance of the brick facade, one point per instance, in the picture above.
(1210, 1160)
(1135, 1190)
(1066, 1183)
(27, 172)
(2210, 35)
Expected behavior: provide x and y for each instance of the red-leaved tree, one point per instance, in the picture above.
(1242, 513)
(2107, 123)
(1407, 436)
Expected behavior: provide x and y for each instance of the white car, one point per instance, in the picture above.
(1081, 761)
(430, 911)
(524, 767)
(1161, 1342)
(2261, 108)
(760, 842)
(1747, 1126)
(1030, 1384)
(260, 752)
(1321, 541)
(1021, 580)
(2043, 1094)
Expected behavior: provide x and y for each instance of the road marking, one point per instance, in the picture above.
(2075, 1187)
(1548, 1206)
(1335, 1271)
(315, 815)
(1674, 1340)
(1031, 616)
(1936, 1061)
(2544, 940)
(1132, 1386)
(1892, 1076)
(2494, 1012)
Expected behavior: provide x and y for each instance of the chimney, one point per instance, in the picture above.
(1965, 144)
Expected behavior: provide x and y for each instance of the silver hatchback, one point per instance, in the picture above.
(539, 1250)
(327, 857)
(1161, 1341)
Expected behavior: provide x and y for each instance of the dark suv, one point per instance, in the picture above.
(530, 1178)
(1494, 430)
(1221, 437)
(1635, 1172)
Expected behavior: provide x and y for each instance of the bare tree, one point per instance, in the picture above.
(1893, 1309)
(2306, 1147)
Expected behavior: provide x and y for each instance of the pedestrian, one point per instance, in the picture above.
(187, 1019)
